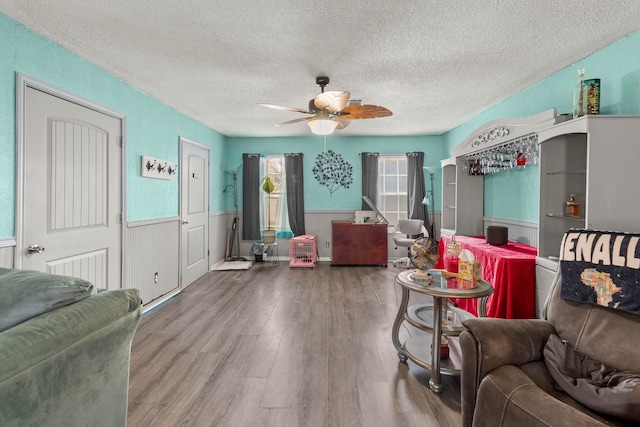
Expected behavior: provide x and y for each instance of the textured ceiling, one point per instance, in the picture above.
(435, 64)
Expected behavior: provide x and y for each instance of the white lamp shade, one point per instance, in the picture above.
(322, 126)
(425, 201)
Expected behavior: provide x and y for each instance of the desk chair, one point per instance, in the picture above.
(405, 233)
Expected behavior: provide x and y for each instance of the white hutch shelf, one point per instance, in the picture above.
(595, 158)
(462, 199)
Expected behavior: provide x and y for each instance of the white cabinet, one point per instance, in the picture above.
(545, 272)
(596, 158)
(462, 199)
(563, 171)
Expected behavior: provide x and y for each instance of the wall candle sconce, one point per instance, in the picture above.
(157, 168)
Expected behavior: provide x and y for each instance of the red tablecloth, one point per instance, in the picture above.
(510, 268)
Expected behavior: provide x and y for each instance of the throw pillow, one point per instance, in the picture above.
(25, 294)
(591, 383)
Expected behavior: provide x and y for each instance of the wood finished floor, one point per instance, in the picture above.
(282, 347)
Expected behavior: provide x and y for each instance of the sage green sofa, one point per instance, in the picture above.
(64, 351)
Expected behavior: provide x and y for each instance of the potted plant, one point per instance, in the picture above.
(268, 235)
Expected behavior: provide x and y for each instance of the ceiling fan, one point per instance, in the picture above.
(331, 110)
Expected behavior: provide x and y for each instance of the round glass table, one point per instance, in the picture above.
(424, 350)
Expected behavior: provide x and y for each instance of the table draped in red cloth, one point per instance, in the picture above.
(510, 268)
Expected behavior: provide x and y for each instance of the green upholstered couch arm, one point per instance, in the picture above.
(70, 366)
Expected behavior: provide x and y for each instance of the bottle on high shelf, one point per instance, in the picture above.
(578, 96)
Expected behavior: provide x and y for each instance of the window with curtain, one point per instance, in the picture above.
(273, 206)
(369, 177)
(295, 192)
(392, 187)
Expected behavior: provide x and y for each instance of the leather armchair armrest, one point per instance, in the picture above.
(488, 343)
(508, 341)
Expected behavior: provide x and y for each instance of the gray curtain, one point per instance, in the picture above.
(250, 196)
(369, 177)
(416, 188)
(295, 192)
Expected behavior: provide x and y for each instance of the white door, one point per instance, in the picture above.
(72, 187)
(194, 210)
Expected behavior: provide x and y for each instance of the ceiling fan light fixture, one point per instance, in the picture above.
(322, 126)
(331, 110)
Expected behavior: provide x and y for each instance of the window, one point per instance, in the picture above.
(273, 206)
(392, 187)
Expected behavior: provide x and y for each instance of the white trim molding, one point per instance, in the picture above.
(7, 242)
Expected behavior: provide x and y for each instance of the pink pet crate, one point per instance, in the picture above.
(302, 251)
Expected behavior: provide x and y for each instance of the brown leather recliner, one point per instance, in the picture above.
(505, 381)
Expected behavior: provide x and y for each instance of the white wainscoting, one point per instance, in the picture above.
(220, 223)
(317, 223)
(7, 252)
(152, 248)
(523, 232)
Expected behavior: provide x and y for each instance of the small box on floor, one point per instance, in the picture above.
(469, 270)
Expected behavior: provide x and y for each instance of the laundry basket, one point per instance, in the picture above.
(302, 251)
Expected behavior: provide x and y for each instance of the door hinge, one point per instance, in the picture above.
(121, 141)
(119, 218)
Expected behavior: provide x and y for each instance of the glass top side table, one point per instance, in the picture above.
(424, 350)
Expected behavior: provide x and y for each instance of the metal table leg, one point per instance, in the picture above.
(434, 382)
(396, 325)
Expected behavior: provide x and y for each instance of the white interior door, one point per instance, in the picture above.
(194, 210)
(72, 190)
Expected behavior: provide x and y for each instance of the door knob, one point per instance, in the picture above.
(35, 249)
(185, 222)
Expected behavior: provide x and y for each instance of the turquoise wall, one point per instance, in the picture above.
(513, 195)
(318, 197)
(152, 128)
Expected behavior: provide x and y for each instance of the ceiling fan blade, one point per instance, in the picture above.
(280, 107)
(290, 122)
(332, 100)
(354, 112)
(342, 123)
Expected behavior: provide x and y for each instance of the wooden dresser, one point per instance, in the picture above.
(359, 244)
